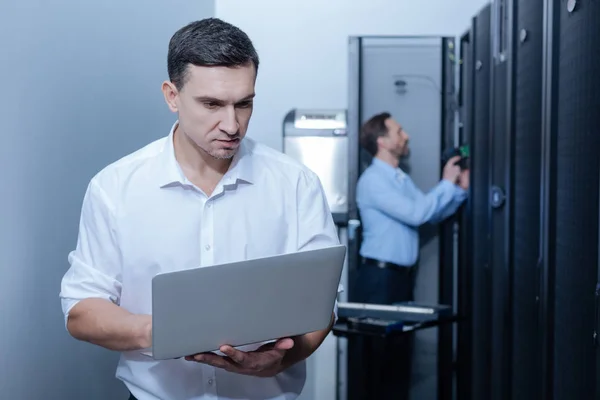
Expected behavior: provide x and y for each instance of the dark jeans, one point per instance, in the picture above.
(381, 368)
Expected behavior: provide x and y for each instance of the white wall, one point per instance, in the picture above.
(81, 87)
(303, 49)
(303, 46)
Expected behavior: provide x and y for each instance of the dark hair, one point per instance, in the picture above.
(208, 42)
(373, 129)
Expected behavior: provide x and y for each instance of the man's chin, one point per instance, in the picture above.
(223, 154)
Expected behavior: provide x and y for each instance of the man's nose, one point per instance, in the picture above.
(229, 122)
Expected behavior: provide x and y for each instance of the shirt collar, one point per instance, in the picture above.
(169, 172)
(393, 172)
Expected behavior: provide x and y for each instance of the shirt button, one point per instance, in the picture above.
(210, 381)
(207, 247)
(209, 205)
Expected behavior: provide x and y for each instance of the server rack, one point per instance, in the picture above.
(526, 109)
(464, 264)
(501, 197)
(529, 270)
(572, 41)
(446, 230)
(474, 348)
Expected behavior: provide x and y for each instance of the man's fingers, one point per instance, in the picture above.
(284, 344)
(235, 354)
(281, 344)
(211, 359)
(264, 358)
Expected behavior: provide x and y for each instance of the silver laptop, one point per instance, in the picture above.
(244, 303)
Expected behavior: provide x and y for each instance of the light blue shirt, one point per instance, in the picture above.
(392, 208)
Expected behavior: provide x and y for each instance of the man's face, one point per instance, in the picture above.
(214, 107)
(396, 140)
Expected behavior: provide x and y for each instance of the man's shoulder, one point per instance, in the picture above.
(121, 169)
(369, 174)
(371, 180)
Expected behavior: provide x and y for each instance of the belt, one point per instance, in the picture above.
(383, 264)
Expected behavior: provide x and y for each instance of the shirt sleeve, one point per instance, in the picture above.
(95, 268)
(410, 210)
(316, 228)
(460, 195)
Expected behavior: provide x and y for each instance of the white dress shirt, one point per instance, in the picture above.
(141, 216)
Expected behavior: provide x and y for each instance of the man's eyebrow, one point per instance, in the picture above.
(210, 99)
(249, 97)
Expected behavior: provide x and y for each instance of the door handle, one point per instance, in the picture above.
(597, 308)
(497, 197)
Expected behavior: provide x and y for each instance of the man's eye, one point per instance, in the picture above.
(211, 105)
(245, 104)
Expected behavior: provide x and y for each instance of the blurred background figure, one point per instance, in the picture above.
(392, 208)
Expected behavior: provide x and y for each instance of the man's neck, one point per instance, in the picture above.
(388, 159)
(202, 169)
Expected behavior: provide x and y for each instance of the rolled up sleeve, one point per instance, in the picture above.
(95, 268)
(316, 228)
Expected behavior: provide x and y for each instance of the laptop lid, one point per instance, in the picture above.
(244, 302)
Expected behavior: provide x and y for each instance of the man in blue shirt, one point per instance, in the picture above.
(392, 209)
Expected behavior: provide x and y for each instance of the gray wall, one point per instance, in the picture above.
(80, 88)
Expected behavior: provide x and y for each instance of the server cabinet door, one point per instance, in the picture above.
(576, 208)
(475, 281)
(447, 237)
(465, 265)
(500, 202)
(526, 196)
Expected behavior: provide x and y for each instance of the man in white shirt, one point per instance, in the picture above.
(201, 196)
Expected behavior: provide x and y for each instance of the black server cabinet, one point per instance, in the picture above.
(529, 250)
(504, 230)
(500, 198)
(526, 109)
(474, 267)
(464, 281)
(572, 124)
(446, 289)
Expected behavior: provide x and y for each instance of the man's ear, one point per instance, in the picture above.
(170, 93)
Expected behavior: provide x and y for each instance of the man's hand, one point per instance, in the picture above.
(269, 359)
(451, 170)
(266, 361)
(464, 179)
